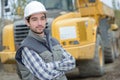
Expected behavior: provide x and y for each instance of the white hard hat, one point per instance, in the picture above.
(34, 7)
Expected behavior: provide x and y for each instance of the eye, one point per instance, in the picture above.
(34, 19)
(43, 18)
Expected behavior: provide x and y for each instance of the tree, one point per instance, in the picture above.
(114, 4)
(116, 11)
(18, 7)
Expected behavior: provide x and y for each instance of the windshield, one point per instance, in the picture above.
(65, 5)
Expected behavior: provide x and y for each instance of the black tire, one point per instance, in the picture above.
(94, 67)
(118, 45)
(116, 48)
(110, 51)
(109, 54)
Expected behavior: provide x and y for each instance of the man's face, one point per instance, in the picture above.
(37, 23)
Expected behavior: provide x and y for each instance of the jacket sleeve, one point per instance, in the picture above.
(68, 61)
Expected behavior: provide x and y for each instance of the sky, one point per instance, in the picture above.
(109, 2)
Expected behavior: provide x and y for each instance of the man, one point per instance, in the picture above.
(40, 57)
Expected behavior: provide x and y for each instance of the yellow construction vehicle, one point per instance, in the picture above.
(104, 17)
(83, 28)
(87, 35)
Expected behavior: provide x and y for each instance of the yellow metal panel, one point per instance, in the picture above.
(65, 16)
(82, 31)
(7, 57)
(85, 31)
(95, 9)
(8, 37)
(83, 51)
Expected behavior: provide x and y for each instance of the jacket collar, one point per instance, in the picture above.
(37, 37)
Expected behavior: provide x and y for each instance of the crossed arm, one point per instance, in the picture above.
(46, 71)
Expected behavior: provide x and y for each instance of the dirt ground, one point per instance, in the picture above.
(7, 75)
(112, 72)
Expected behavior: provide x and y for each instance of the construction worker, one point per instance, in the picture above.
(40, 56)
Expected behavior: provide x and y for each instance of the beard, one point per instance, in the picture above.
(37, 32)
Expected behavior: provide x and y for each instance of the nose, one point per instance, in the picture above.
(39, 22)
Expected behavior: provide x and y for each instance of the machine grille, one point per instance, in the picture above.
(20, 32)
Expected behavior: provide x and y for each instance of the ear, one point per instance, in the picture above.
(27, 23)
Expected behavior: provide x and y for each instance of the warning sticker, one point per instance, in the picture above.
(68, 32)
